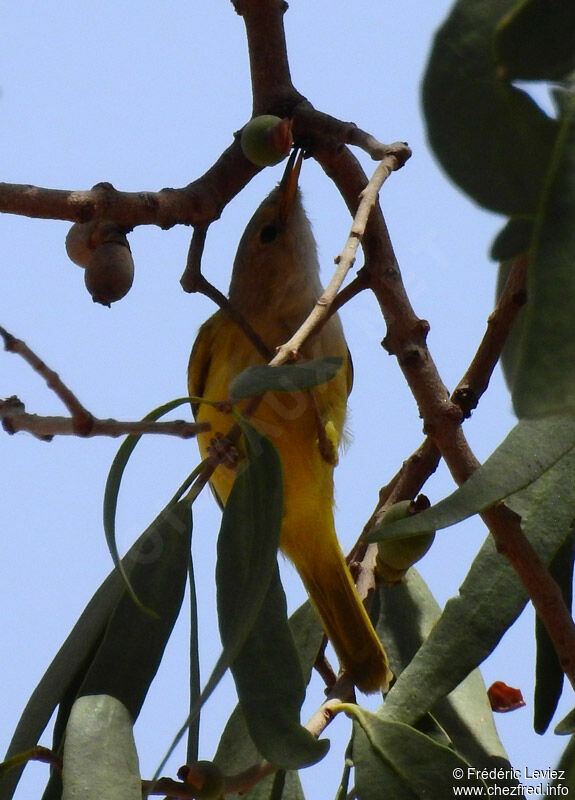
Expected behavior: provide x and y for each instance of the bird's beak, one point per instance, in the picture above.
(288, 184)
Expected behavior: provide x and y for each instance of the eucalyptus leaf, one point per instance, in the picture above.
(527, 453)
(271, 687)
(567, 725)
(246, 556)
(489, 601)
(549, 675)
(100, 758)
(475, 118)
(236, 750)
(407, 764)
(513, 239)
(133, 643)
(545, 379)
(114, 480)
(536, 40)
(262, 378)
(407, 615)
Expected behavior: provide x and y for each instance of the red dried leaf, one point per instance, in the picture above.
(504, 698)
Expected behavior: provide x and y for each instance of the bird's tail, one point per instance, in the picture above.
(345, 620)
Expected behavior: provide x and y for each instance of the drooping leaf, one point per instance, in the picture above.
(72, 662)
(259, 379)
(69, 662)
(236, 750)
(271, 687)
(247, 555)
(194, 729)
(100, 758)
(549, 673)
(527, 453)
(405, 763)
(475, 118)
(566, 772)
(114, 479)
(407, 615)
(133, 643)
(566, 725)
(266, 668)
(489, 600)
(536, 40)
(545, 380)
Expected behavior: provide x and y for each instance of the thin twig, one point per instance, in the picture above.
(345, 260)
(82, 422)
(15, 419)
(193, 281)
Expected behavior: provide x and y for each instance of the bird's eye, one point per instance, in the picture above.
(268, 233)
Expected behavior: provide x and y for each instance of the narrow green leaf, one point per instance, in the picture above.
(566, 725)
(236, 750)
(68, 663)
(100, 759)
(192, 750)
(474, 117)
(114, 479)
(530, 450)
(490, 599)
(402, 758)
(259, 379)
(407, 615)
(133, 644)
(565, 772)
(271, 687)
(545, 380)
(536, 40)
(548, 672)
(247, 555)
(265, 666)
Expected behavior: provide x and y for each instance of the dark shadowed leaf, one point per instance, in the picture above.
(407, 615)
(271, 687)
(548, 673)
(536, 41)
(489, 600)
(133, 644)
(527, 453)
(513, 240)
(68, 669)
(545, 379)
(114, 480)
(566, 770)
(394, 760)
(236, 750)
(286, 378)
(475, 118)
(566, 725)
(256, 638)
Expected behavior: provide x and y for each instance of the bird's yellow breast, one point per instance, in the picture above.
(294, 422)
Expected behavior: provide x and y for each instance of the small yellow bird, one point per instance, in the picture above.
(275, 284)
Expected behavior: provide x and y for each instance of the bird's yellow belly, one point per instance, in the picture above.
(291, 421)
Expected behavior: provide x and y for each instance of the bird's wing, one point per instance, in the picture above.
(200, 360)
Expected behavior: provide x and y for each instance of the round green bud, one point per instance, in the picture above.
(396, 556)
(266, 140)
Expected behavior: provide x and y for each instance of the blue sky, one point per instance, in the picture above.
(146, 95)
